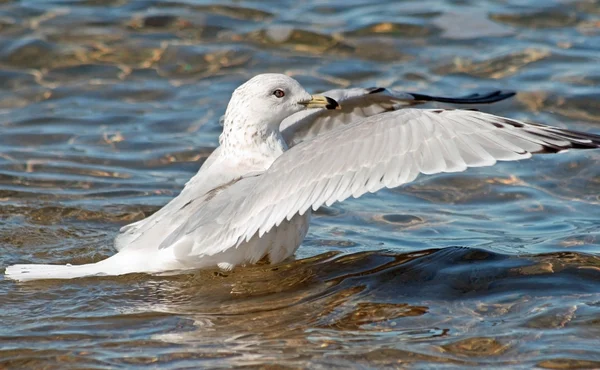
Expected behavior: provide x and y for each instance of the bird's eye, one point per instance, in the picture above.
(279, 93)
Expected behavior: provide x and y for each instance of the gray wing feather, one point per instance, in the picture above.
(357, 103)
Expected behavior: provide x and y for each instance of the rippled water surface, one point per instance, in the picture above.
(108, 107)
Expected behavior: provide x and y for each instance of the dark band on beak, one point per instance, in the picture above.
(332, 104)
(320, 101)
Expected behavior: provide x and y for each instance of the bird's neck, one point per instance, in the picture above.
(261, 143)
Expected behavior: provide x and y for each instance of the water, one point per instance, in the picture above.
(108, 107)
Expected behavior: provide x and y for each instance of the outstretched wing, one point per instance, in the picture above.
(386, 150)
(360, 103)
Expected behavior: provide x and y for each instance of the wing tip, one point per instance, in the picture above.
(477, 98)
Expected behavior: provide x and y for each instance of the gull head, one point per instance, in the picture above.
(267, 99)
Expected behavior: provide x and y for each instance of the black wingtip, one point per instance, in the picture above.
(488, 98)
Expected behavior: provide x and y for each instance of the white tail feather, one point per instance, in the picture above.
(36, 272)
(111, 266)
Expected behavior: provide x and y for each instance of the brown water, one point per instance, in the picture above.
(108, 107)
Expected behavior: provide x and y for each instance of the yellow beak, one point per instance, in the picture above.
(320, 101)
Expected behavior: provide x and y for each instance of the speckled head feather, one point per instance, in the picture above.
(266, 99)
(256, 110)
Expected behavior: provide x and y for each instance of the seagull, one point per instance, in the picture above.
(284, 153)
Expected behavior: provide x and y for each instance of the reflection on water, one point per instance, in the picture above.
(454, 305)
(108, 107)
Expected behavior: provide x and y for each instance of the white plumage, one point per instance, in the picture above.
(277, 161)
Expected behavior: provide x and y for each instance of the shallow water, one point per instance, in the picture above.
(108, 107)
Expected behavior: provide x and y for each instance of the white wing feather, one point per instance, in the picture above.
(381, 151)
